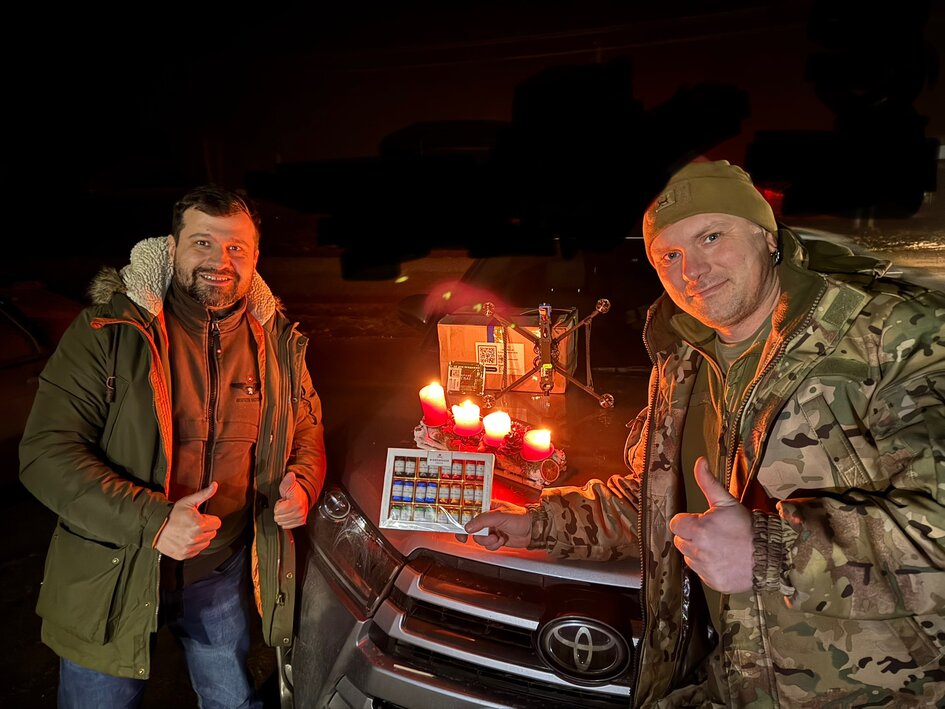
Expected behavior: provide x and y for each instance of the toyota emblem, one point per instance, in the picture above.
(583, 650)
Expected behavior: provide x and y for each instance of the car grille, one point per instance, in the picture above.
(476, 624)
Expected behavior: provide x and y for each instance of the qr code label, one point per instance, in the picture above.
(487, 354)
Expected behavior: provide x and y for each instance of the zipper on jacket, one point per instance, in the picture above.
(750, 392)
(280, 429)
(641, 530)
(214, 350)
(736, 425)
(651, 401)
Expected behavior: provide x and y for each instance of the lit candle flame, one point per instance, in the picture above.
(497, 425)
(466, 420)
(433, 402)
(536, 444)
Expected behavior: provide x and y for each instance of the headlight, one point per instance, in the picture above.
(353, 551)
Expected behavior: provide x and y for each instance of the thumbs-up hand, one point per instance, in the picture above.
(718, 544)
(292, 508)
(188, 531)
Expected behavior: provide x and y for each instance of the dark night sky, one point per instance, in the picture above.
(154, 99)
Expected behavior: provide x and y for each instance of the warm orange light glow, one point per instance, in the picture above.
(536, 444)
(433, 402)
(497, 425)
(466, 419)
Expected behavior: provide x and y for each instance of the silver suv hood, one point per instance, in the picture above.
(592, 437)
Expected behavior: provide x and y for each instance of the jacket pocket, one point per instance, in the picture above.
(922, 637)
(635, 430)
(115, 389)
(848, 470)
(80, 584)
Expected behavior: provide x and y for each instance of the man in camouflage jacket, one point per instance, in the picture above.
(819, 541)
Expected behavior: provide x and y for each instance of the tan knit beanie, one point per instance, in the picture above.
(702, 187)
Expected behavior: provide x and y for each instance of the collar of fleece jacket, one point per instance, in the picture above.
(147, 277)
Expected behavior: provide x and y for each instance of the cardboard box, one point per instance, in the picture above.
(467, 336)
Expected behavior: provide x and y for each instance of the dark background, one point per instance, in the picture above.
(486, 126)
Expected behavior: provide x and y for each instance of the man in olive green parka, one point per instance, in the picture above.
(177, 435)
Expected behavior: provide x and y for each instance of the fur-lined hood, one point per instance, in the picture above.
(147, 277)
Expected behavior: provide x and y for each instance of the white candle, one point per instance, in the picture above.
(466, 420)
(536, 444)
(433, 401)
(497, 425)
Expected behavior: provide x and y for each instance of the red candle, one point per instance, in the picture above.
(536, 444)
(433, 402)
(497, 425)
(466, 419)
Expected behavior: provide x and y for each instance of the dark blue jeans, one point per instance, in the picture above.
(211, 620)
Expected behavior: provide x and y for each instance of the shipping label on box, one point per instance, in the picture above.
(504, 353)
(435, 490)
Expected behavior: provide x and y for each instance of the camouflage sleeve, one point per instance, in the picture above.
(877, 549)
(598, 521)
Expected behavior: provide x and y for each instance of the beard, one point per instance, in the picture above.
(207, 294)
